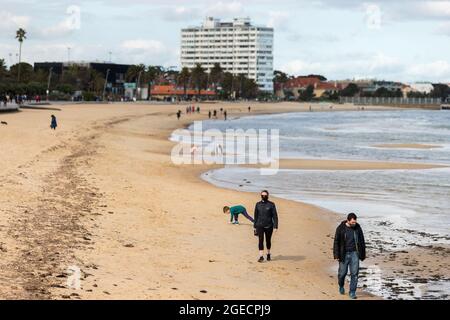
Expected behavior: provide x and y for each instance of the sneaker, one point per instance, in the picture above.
(261, 259)
(341, 290)
(269, 258)
(236, 222)
(353, 296)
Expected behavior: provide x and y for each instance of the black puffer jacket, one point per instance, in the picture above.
(339, 242)
(266, 215)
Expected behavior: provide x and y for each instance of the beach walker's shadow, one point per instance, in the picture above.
(289, 258)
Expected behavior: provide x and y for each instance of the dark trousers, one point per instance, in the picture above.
(351, 260)
(245, 214)
(267, 233)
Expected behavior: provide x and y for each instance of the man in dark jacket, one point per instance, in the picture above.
(349, 247)
(266, 221)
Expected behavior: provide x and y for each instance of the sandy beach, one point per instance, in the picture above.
(317, 164)
(407, 146)
(101, 194)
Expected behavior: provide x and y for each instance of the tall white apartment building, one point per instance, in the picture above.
(238, 46)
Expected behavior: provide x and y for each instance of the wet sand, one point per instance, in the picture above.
(309, 164)
(407, 146)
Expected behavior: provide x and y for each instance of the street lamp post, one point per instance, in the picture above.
(106, 82)
(138, 90)
(48, 83)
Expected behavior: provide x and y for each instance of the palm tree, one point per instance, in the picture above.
(3, 70)
(216, 75)
(20, 36)
(133, 73)
(153, 72)
(183, 79)
(198, 77)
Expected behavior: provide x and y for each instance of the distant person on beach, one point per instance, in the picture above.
(218, 149)
(266, 221)
(349, 247)
(249, 109)
(215, 114)
(53, 123)
(234, 213)
(179, 114)
(225, 114)
(209, 114)
(198, 109)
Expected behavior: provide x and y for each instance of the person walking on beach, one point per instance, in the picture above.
(179, 114)
(53, 123)
(349, 247)
(209, 114)
(266, 221)
(215, 114)
(225, 115)
(249, 109)
(234, 213)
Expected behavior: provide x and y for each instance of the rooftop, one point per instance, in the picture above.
(211, 23)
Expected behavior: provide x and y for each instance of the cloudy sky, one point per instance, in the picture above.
(407, 40)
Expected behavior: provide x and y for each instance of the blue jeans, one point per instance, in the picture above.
(351, 260)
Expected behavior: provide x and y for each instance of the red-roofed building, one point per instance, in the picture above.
(301, 82)
(293, 87)
(327, 87)
(171, 91)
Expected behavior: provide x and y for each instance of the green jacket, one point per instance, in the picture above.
(236, 210)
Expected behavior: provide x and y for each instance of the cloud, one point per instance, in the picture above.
(375, 66)
(433, 9)
(279, 20)
(147, 52)
(312, 38)
(443, 29)
(225, 9)
(138, 45)
(180, 13)
(219, 9)
(439, 69)
(10, 21)
(357, 66)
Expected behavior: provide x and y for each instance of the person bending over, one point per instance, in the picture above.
(234, 213)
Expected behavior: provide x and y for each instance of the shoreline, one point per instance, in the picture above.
(403, 284)
(137, 229)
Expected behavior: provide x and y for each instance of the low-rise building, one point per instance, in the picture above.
(116, 74)
(166, 92)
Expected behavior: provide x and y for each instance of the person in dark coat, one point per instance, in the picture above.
(266, 221)
(349, 248)
(53, 123)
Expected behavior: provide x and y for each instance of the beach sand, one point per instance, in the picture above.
(407, 146)
(310, 164)
(101, 196)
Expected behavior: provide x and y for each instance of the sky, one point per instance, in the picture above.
(404, 40)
